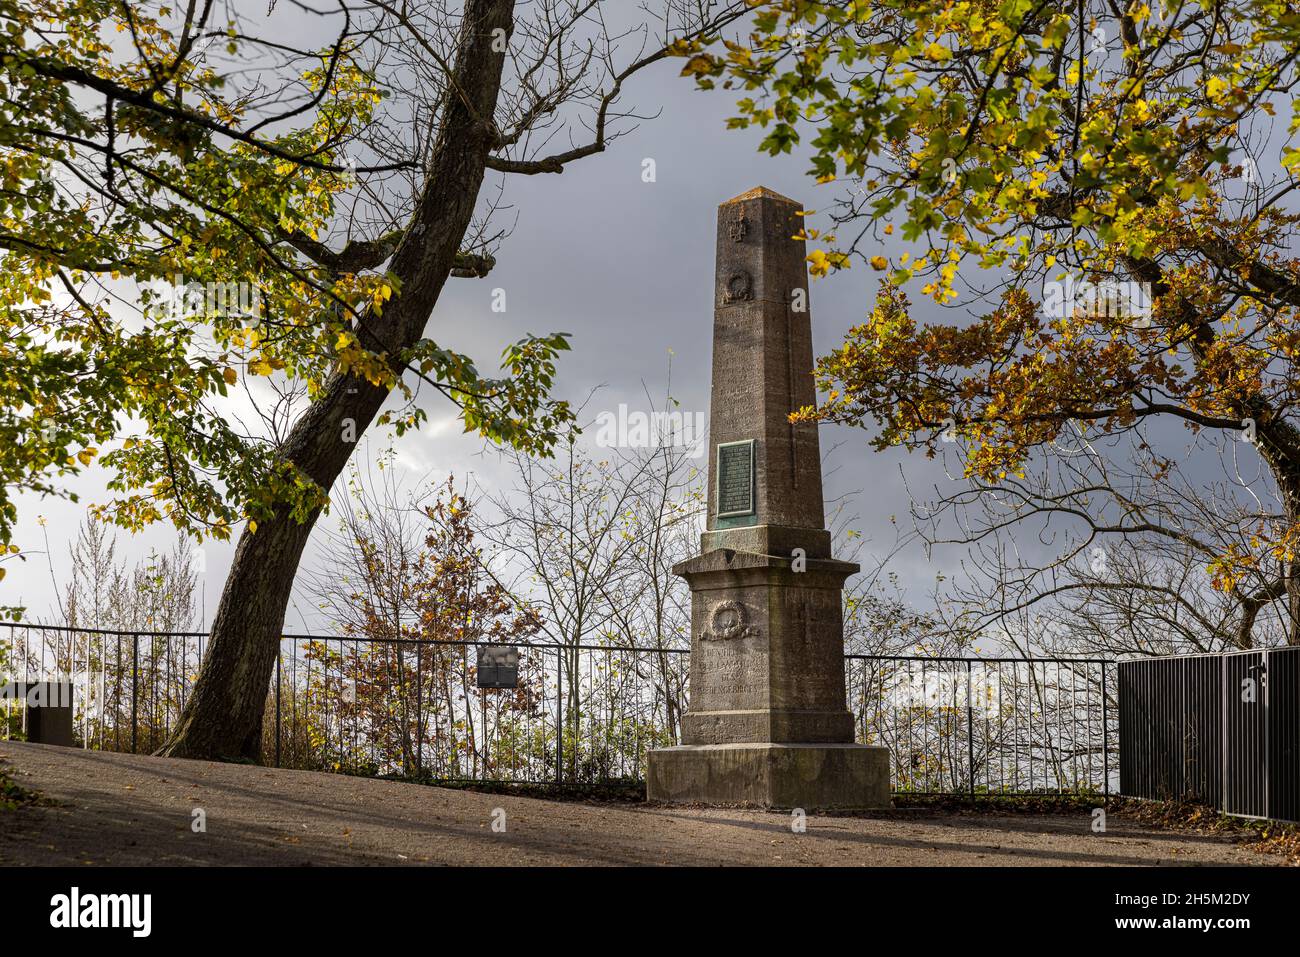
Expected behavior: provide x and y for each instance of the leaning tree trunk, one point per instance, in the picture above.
(1278, 444)
(1292, 566)
(1276, 438)
(223, 718)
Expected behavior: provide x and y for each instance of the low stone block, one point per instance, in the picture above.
(808, 776)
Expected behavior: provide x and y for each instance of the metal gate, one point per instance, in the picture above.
(1221, 730)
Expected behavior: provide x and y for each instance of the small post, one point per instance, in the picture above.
(482, 705)
(135, 692)
(970, 731)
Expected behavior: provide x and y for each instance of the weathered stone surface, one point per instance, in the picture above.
(779, 540)
(808, 776)
(766, 650)
(762, 361)
(768, 722)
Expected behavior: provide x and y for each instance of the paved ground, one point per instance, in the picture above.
(132, 810)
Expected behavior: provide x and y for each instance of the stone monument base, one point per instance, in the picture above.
(808, 776)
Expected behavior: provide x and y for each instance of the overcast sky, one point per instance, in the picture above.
(623, 265)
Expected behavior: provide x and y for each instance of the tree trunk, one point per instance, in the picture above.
(1277, 442)
(223, 718)
(1276, 438)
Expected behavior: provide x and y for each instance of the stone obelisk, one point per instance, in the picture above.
(767, 723)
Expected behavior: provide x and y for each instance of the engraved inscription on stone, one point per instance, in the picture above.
(739, 227)
(735, 478)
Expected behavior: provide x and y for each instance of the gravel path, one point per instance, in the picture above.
(132, 810)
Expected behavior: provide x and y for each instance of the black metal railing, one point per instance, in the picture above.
(987, 725)
(580, 714)
(1219, 729)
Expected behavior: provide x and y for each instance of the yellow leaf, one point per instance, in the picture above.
(879, 262)
(229, 375)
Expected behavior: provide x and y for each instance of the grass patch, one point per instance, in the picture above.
(12, 795)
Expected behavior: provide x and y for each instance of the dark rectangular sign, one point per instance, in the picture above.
(735, 478)
(498, 666)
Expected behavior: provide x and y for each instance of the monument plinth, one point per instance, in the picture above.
(767, 723)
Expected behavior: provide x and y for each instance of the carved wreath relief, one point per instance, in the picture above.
(740, 286)
(728, 620)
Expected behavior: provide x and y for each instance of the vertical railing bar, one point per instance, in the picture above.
(1105, 736)
(279, 655)
(1223, 722)
(970, 731)
(559, 715)
(1268, 775)
(135, 692)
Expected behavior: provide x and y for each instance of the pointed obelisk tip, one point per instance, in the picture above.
(760, 192)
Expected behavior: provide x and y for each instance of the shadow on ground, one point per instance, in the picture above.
(118, 809)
